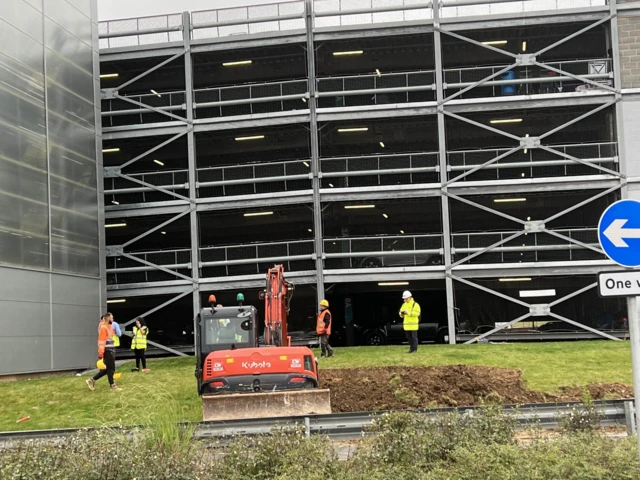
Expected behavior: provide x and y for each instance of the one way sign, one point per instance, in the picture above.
(619, 232)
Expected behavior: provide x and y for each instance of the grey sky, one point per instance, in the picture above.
(112, 9)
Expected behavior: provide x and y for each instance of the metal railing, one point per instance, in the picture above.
(289, 16)
(533, 163)
(529, 247)
(224, 22)
(356, 252)
(527, 80)
(373, 170)
(140, 31)
(116, 112)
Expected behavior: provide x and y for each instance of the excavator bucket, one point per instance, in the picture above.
(264, 405)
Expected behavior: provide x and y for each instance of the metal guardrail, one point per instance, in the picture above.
(356, 252)
(344, 426)
(288, 16)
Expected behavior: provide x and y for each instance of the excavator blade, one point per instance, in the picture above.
(264, 405)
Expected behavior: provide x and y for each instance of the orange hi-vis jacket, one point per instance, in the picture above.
(321, 326)
(105, 337)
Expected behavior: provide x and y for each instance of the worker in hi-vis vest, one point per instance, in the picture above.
(410, 314)
(106, 352)
(139, 344)
(323, 328)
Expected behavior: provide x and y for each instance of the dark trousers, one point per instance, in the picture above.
(412, 337)
(140, 357)
(324, 344)
(110, 363)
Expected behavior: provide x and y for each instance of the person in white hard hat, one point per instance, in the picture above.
(410, 314)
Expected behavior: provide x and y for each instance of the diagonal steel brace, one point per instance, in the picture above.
(154, 149)
(153, 265)
(155, 187)
(584, 327)
(149, 107)
(573, 240)
(159, 307)
(156, 228)
(151, 70)
(497, 329)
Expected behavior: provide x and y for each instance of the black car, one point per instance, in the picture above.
(393, 333)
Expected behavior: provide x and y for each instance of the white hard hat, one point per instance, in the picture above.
(406, 294)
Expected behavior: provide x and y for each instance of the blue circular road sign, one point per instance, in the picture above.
(619, 232)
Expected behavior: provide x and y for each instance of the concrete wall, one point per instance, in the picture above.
(51, 288)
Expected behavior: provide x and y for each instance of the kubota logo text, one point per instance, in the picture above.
(256, 365)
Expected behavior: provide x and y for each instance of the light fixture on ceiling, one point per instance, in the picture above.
(524, 46)
(109, 75)
(163, 233)
(495, 42)
(402, 232)
(304, 100)
(353, 207)
(385, 215)
(509, 200)
(537, 293)
(110, 150)
(355, 129)
(528, 219)
(331, 185)
(392, 284)
(117, 300)
(348, 52)
(257, 214)
(159, 163)
(155, 93)
(309, 230)
(378, 72)
(382, 144)
(515, 279)
(111, 225)
(252, 137)
(238, 63)
(505, 120)
(115, 202)
(306, 164)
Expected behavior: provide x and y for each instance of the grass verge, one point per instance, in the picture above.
(64, 402)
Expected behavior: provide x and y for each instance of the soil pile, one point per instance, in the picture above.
(396, 388)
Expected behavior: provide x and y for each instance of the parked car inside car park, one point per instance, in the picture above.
(393, 333)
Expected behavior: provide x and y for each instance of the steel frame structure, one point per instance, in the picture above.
(450, 185)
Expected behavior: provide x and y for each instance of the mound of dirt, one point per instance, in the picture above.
(396, 388)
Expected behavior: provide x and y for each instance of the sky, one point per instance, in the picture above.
(113, 9)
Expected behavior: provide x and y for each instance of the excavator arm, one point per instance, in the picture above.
(277, 298)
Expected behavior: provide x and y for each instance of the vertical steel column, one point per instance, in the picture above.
(315, 153)
(442, 155)
(191, 157)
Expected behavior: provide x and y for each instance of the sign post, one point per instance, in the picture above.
(619, 236)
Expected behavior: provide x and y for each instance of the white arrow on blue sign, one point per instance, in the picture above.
(619, 232)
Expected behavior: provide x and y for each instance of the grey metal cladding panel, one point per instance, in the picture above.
(25, 354)
(631, 135)
(73, 137)
(70, 290)
(22, 48)
(37, 4)
(71, 352)
(67, 45)
(23, 16)
(79, 320)
(71, 77)
(68, 17)
(19, 112)
(23, 285)
(83, 5)
(25, 319)
(73, 108)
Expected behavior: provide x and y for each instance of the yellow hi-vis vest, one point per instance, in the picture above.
(116, 340)
(411, 319)
(139, 339)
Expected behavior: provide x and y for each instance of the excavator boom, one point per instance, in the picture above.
(277, 296)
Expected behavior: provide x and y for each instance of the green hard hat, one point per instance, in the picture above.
(240, 298)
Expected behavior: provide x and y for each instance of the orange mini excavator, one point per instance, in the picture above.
(238, 377)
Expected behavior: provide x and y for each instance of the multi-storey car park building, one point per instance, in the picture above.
(464, 150)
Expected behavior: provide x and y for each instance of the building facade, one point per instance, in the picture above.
(51, 275)
(464, 150)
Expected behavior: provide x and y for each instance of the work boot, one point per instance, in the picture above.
(115, 388)
(331, 355)
(135, 369)
(91, 383)
(323, 355)
(413, 351)
(146, 370)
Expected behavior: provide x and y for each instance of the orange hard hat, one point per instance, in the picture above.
(212, 299)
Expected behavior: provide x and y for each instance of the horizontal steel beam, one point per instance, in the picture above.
(135, 33)
(366, 11)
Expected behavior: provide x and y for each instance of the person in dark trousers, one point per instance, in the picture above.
(106, 352)
(139, 344)
(410, 314)
(323, 328)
